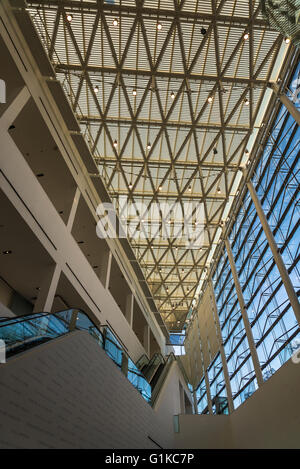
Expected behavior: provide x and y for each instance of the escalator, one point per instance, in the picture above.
(156, 371)
(151, 369)
(22, 333)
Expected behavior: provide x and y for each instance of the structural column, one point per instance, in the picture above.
(222, 350)
(210, 409)
(108, 269)
(287, 103)
(129, 308)
(275, 251)
(146, 341)
(248, 329)
(47, 290)
(73, 209)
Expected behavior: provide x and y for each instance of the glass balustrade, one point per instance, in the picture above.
(22, 333)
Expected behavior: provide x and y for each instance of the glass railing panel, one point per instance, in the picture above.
(30, 331)
(113, 348)
(21, 333)
(138, 380)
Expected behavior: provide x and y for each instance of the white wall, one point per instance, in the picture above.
(169, 401)
(69, 394)
(270, 418)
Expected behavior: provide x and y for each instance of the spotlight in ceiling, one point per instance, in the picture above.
(69, 17)
(96, 89)
(287, 40)
(219, 190)
(160, 188)
(246, 36)
(210, 99)
(190, 189)
(215, 151)
(173, 95)
(134, 92)
(115, 143)
(159, 26)
(247, 102)
(149, 146)
(115, 22)
(130, 185)
(203, 31)
(8, 251)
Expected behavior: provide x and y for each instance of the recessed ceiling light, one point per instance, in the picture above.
(215, 151)
(160, 188)
(247, 102)
(69, 17)
(190, 189)
(149, 146)
(130, 185)
(115, 22)
(8, 251)
(173, 95)
(287, 40)
(96, 89)
(159, 26)
(134, 92)
(115, 143)
(203, 31)
(210, 99)
(219, 190)
(246, 36)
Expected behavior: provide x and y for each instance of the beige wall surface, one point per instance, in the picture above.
(202, 335)
(69, 394)
(270, 418)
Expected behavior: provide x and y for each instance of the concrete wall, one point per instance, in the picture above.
(170, 401)
(270, 418)
(69, 394)
(201, 335)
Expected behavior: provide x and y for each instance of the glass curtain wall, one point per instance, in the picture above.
(274, 326)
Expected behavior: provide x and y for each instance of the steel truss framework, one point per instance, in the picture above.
(119, 80)
(274, 326)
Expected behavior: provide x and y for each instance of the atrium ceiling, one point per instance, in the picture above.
(169, 95)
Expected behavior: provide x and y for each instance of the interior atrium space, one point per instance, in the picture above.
(150, 225)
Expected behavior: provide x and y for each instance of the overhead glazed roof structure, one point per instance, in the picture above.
(170, 96)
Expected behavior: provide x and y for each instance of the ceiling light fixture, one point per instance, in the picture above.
(149, 146)
(247, 102)
(159, 26)
(210, 99)
(115, 22)
(115, 143)
(246, 36)
(69, 17)
(134, 92)
(130, 185)
(6, 252)
(96, 89)
(287, 40)
(173, 95)
(203, 31)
